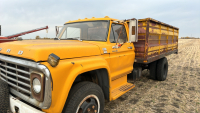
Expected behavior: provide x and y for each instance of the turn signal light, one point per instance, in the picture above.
(53, 60)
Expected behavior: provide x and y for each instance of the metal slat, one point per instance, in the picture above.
(18, 87)
(27, 85)
(20, 76)
(15, 69)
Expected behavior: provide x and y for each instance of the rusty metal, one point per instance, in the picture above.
(7, 40)
(38, 96)
(155, 40)
(23, 33)
(156, 57)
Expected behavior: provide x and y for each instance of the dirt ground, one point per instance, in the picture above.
(179, 93)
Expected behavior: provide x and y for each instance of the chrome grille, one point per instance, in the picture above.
(17, 77)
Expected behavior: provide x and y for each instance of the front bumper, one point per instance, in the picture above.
(22, 107)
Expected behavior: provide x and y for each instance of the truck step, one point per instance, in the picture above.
(121, 90)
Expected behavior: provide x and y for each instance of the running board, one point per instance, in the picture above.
(121, 90)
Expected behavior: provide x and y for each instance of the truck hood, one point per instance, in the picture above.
(39, 50)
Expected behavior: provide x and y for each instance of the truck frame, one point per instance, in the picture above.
(89, 61)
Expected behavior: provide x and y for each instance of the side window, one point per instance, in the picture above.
(63, 35)
(119, 33)
(112, 38)
(73, 32)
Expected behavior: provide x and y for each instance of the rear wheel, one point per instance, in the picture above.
(153, 70)
(85, 97)
(4, 97)
(162, 69)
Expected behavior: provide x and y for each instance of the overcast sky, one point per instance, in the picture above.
(21, 15)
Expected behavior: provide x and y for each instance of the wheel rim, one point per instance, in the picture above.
(89, 104)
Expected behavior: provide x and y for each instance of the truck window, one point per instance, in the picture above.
(91, 31)
(119, 33)
(73, 32)
(97, 33)
(112, 38)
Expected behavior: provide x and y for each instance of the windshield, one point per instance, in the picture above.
(94, 31)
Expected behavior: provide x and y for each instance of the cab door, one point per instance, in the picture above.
(113, 54)
(125, 49)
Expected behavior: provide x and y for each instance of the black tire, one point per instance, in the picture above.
(81, 91)
(162, 69)
(4, 97)
(153, 70)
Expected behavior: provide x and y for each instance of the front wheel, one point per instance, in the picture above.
(85, 97)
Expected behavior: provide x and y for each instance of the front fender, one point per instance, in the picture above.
(64, 75)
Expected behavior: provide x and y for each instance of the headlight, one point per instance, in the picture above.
(36, 85)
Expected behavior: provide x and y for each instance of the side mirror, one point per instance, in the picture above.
(133, 30)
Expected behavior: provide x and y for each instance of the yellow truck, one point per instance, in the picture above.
(87, 63)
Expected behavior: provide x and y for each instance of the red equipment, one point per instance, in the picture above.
(9, 38)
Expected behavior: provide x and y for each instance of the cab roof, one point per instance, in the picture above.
(92, 19)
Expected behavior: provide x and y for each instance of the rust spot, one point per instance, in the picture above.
(140, 24)
(141, 30)
(153, 24)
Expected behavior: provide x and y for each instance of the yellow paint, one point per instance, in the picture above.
(117, 92)
(156, 48)
(143, 24)
(39, 50)
(85, 55)
(154, 25)
(92, 19)
(159, 49)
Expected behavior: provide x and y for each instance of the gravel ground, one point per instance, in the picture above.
(179, 93)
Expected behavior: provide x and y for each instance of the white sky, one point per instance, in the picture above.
(21, 15)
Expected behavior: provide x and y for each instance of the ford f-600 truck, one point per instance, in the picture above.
(87, 63)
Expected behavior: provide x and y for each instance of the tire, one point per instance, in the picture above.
(4, 97)
(162, 69)
(153, 70)
(85, 96)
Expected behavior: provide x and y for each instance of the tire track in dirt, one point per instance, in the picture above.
(180, 92)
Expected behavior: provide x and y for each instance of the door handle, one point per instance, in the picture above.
(130, 47)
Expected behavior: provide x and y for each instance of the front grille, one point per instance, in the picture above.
(17, 77)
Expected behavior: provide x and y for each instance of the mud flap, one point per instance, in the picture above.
(4, 97)
(136, 73)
